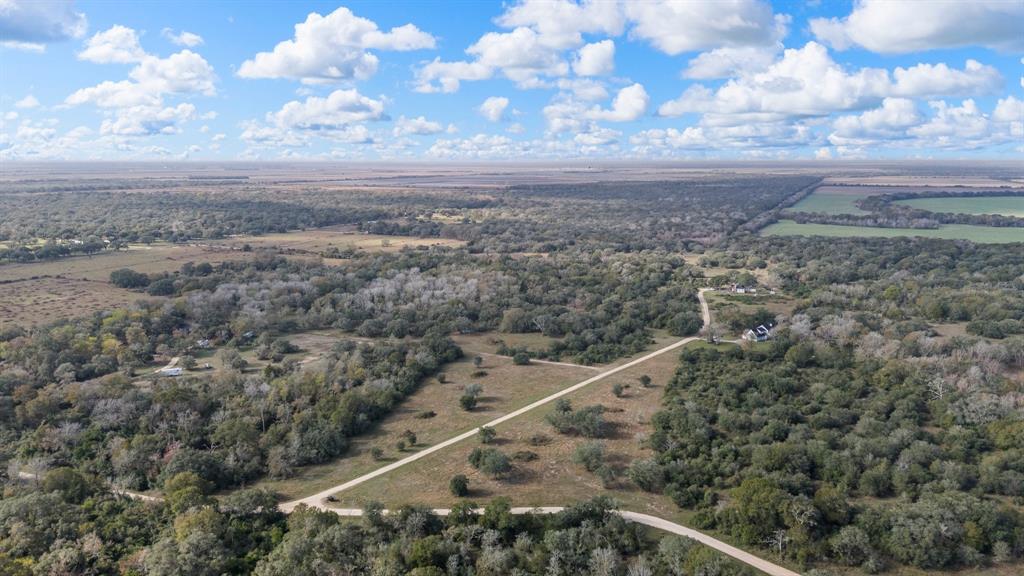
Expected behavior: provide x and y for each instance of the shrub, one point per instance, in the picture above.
(490, 461)
(590, 455)
(126, 278)
(459, 485)
(487, 435)
(521, 359)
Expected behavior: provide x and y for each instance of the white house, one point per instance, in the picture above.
(172, 371)
(758, 334)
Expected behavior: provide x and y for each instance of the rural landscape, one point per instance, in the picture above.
(511, 288)
(511, 370)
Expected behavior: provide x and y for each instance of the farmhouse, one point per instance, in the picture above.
(759, 333)
(171, 371)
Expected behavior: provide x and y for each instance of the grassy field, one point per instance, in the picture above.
(980, 234)
(1005, 205)
(834, 200)
(150, 259)
(45, 300)
(341, 237)
(506, 387)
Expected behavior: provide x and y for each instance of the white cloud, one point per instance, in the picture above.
(823, 153)
(902, 26)
(339, 109)
(629, 104)
(29, 101)
(807, 82)
(940, 79)
(35, 47)
(598, 137)
(138, 102)
(597, 59)
(149, 120)
(31, 22)
(183, 38)
(493, 108)
(887, 122)
(730, 61)
(10, 116)
(438, 76)
(420, 126)
(561, 23)
(333, 48)
(119, 44)
(676, 27)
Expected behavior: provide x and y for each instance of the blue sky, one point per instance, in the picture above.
(511, 80)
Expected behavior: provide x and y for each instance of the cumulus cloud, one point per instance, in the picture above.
(596, 59)
(26, 23)
(677, 27)
(418, 126)
(337, 117)
(629, 104)
(29, 101)
(730, 61)
(532, 52)
(149, 120)
(887, 122)
(807, 82)
(182, 38)
(339, 109)
(902, 26)
(137, 103)
(493, 108)
(333, 48)
(118, 44)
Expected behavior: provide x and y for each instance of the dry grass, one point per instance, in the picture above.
(553, 478)
(45, 300)
(342, 237)
(506, 387)
(156, 258)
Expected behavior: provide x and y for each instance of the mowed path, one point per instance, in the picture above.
(317, 500)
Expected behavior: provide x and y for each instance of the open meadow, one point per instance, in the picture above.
(980, 234)
(1003, 205)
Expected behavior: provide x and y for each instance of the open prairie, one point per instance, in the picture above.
(1003, 205)
(44, 300)
(980, 234)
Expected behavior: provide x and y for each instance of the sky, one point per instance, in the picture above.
(515, 80)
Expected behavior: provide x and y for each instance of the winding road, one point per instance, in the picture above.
(318, 500)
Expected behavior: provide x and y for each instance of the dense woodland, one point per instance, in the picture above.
(862, 435)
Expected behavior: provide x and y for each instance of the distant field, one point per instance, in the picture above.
(928, 181)
(1005, 205)
(834, 200)
(980, 234)
(148, 259)
(341, 237)
(45, 300)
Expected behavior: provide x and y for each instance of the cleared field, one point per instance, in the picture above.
(551, 477)
(1004, 205)
(980, 234)
(148, 259)
(45, 300)
(340, 237)
(505, 388)
(834, 200)
(929, 181)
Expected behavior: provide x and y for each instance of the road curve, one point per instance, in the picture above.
(316, 500)
(647, 520)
